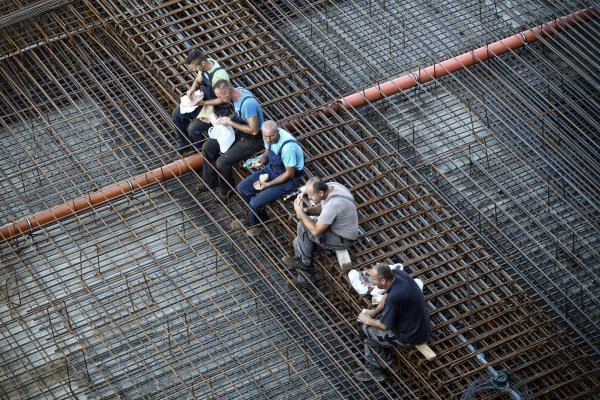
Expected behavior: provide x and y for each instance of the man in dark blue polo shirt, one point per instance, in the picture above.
(400, 319)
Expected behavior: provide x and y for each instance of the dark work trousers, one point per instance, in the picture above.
(241, 149)
(189, 129)
(382, 343)
(258, 199)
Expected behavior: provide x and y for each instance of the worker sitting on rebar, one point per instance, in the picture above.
(280, 172)
(191, 129)
(246, 121)
(400, 319)
(336, 227)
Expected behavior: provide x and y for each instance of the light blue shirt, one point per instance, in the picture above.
(292, 154)
(250, 108)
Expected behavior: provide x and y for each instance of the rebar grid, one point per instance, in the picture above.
(147, 249)
(469, 110)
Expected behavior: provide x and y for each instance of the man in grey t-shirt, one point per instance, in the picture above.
(336, 227)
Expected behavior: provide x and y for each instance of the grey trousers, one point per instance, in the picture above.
(305, 243)
(382, 342)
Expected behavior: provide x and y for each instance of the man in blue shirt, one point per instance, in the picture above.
(400, 319)
(246, 122)
(283, 162)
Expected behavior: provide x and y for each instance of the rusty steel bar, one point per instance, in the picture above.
(42, 219)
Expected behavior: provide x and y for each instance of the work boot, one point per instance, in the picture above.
(296, 284)
(302, 281)
(294, 263)
(203, 187)
(237, 226)
(223, 196)
(255, 231)
(366, 375)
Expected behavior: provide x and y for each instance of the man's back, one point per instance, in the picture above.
(339, 211)
(405, 311)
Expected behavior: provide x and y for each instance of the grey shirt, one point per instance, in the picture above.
(340, 212)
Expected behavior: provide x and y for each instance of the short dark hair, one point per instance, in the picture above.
(195, 57)
(383, 271)
(222, 84)
(318, 185)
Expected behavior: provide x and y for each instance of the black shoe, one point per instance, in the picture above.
(202, 187)
(294, 263)
(237, 226)
(295, 284)
(223, 196)
(370, 375)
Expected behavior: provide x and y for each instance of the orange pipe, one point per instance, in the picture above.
(458, 63)
(44, 218)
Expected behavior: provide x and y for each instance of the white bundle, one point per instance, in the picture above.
(186, 104)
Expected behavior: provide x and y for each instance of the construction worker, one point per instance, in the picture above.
(282, 162)
(335, 228)
(190, 129)
(400, 319)
(246, 122)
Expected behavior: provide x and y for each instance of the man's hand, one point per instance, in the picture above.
(223, 121)
(369, 313)
(194, 100)
(298, 204)
(257, 164)
(364, 318)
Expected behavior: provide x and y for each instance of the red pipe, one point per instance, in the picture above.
(160, 174)
(457, 63)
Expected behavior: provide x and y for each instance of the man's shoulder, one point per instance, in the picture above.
(339, 193)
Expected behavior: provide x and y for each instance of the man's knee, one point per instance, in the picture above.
(210, 149)
(224, 163)
(176, 114)
(197, 127)
(256, 203)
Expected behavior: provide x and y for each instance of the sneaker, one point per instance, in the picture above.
(237, 226)
(255, 231)
(294, 263)
(367, 375)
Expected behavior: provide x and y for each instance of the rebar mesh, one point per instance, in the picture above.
(511, 144)
(152, 296)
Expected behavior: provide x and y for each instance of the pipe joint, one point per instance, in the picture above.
(131, 188)
(524, 37)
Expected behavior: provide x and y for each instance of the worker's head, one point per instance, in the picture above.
(381, 275)
(196, 60)
(270, 132)
(223, 89)
(316, 189)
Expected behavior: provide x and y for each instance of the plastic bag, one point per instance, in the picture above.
(225, 135)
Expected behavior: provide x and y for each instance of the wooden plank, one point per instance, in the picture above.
(344, 260)
(426, 351)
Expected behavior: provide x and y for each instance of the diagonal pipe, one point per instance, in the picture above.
(129, 186)
(454, 64)
(374, 93)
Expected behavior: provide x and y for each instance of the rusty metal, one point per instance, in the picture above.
(117, 70)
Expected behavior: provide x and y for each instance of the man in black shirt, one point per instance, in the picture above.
(400, 319)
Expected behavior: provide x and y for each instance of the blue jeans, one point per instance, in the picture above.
(239, 150)
(189, 129)
(258, 199)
